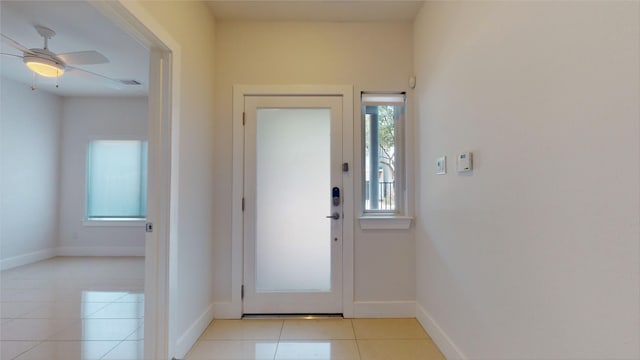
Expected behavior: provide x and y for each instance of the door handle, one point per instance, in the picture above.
(334, 216)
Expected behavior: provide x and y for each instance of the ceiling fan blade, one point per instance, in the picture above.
(110, 82)
(14, 55)
(9, 41)
(91, 57)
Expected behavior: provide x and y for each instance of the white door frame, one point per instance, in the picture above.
(237, 234)
(163, 135)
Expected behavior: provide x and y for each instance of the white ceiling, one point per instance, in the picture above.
(315, 10)
(79, 27)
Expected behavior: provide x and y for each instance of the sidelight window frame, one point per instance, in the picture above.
(391, 199)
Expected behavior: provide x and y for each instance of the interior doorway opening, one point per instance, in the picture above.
(162, 189)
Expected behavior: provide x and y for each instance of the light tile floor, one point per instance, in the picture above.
(77, 308)
(302, 339)
(73, 308)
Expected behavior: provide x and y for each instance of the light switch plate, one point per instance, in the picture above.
(441, 165)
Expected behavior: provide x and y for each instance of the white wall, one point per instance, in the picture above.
(369, 56)
(191, 25)
(29, 175)
(86, 119)
(535, 255)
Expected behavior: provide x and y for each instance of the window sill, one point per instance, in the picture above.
(114, 223)
(388, 222)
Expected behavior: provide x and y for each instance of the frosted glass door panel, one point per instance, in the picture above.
(293, 184)
(292, 161)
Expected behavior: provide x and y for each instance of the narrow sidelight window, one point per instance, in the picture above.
(116, 180)
(383, 171)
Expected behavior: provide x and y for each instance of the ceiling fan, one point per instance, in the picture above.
(46, 63)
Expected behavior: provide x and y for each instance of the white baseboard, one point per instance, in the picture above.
(362, 309)
(25, 259)
(100, 251)
(384, 309)
(193, 333)
(227, 310)
(444, 342)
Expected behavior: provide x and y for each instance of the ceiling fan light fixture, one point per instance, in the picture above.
(44, 67)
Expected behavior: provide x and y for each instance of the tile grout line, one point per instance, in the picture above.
(110, 350)
(275, 353)
(353, 327)
(38, 342)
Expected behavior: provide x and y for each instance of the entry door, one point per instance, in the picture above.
(293, 205)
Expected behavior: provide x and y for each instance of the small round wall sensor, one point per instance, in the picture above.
(412, 82)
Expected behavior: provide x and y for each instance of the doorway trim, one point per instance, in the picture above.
(234, 310)
(163, 127)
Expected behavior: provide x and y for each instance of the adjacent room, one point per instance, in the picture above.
(309, 179)
(74, 172)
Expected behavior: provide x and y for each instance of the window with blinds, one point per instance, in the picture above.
(116, 180)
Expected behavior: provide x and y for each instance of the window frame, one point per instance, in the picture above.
(114, 220)
(399, 153)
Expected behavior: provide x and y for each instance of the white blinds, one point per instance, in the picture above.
(116, 179)
(383, 98)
